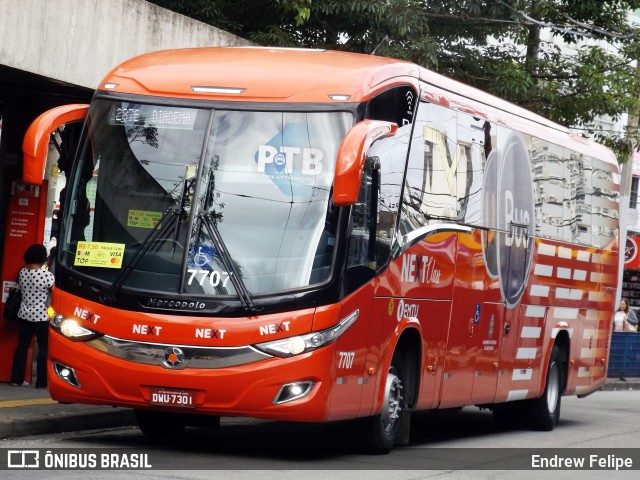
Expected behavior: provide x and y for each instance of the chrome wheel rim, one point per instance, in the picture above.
(392, 400)
(553, 387)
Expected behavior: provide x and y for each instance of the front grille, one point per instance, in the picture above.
(193, 357)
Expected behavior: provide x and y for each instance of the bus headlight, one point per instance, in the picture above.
(288, 347)
(70, 328)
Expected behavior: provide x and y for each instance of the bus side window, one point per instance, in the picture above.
(395, 105)
(81, 206)
(392, 155)
(361, 261)
(430, 188)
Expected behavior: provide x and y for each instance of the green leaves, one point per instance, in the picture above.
(568, 60)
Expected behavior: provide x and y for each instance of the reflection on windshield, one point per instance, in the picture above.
(230, 267)
(250, 194)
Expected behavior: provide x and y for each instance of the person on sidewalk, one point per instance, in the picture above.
(35, 282)
(625, 319)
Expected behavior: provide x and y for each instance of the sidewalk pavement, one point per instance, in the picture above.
(27, 411)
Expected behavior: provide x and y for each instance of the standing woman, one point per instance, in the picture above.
(36, 283)
(625, 316)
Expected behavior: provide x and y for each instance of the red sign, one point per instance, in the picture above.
(631, 252)
(24, 227)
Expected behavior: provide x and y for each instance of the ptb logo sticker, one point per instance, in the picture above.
(290, 161)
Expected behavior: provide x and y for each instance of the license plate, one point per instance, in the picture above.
(173, 398)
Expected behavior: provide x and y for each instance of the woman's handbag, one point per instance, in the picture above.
(628, 327)
(12, 306)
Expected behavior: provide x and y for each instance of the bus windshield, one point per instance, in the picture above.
(203, 201)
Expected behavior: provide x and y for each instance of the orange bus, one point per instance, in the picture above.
(313, 236)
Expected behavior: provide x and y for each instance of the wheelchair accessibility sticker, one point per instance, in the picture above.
(201, 256)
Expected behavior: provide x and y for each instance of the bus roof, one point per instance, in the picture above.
(263, 74)
(318, 76)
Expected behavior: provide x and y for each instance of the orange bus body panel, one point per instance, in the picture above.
(36, 141)
(263, 74)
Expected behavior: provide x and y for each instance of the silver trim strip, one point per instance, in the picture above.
(405, 241)
(434, 228)
(194, 357)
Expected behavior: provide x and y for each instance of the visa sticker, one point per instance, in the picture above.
(99, 254)
(143, 218)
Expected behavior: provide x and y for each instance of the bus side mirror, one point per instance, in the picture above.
(35, 145)
(352, 155)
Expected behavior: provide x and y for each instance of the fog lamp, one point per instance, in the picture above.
(66, 374)
(293, 391)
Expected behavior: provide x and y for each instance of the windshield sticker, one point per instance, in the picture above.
(287, 158)
(99, 254)
(143, 219)
(201, 255)
(215, 277)
(151, 116)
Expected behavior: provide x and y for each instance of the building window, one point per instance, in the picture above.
(633, 196)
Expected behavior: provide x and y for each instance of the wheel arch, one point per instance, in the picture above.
(408, 342)
(563, 342)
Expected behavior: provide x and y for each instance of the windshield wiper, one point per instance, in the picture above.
(241, 289)
(165, 225)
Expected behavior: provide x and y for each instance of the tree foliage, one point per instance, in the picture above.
(505, 47)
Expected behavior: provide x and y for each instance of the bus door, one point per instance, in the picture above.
(32, 206)
(488, 331)
(464, 337)
(516, 364)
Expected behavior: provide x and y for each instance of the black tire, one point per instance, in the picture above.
(159, 424)
(544, 412)
(384, 426)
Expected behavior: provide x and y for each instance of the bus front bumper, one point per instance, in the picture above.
(291, 389)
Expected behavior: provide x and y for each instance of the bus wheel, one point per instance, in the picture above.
(384, 426)
(544, 412)
(159, 424)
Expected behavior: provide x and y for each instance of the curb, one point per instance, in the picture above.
(621, 385)
(53, 422)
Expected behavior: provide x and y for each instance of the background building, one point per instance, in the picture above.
(55, 52)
